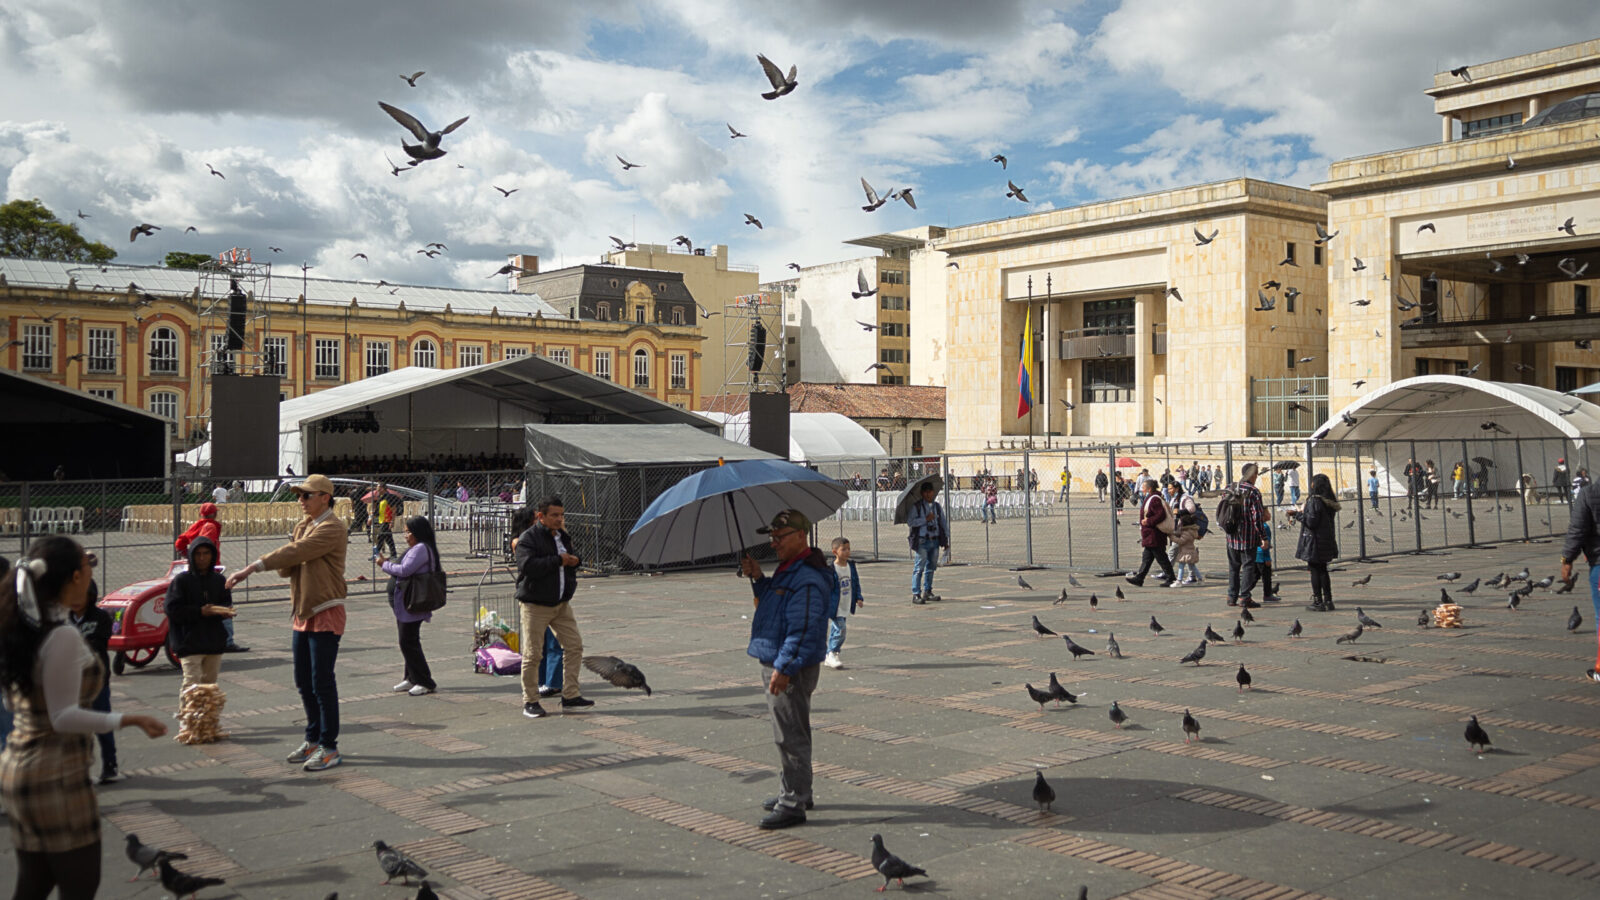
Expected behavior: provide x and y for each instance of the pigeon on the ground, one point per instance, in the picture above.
(1039, 629)
(1243, 677)
(1424, 618)
(1366, 620)
(1469, 588)
(1043, 793)
(1350, 637)
(1362, 580)
(1238, 630)
(1211, 635)
(1295, 629)
(1114, 650)
(1191, 727)
(1038, 696)
(426, 892)
(1073, 581)
(1520, 576)
(1023, 583)
(1120, 595)
(1194, 655)
(781, 84)
(1545, 582)
(1060, 693)
(619, 673)
(1566, 586)
(1244, 614)
(1497, 581)
(181, 884)
(1155, 626)
(147, 858)
(891, 866)
(430, 140)
(1061, 599)
(1514, 600)
(1448, 576)
(397, 864)
(1575, 620)
(1477, 738)
(1074, 648)
(1117, 716)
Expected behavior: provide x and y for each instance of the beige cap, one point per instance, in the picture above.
(314, 484)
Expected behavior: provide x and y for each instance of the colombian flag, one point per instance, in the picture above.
(1025, 368)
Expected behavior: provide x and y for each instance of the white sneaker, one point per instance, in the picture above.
(402, 687)
(832, 661)
(418, 690)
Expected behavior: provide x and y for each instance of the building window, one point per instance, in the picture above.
(894, 329)
(1288, 252)
(1289, 358)
(275, 356)
(425, 353)
(165, 403)
(679, 372)
(163, 351)
(602, 364)
(885, 378)
(641, 366)
(638, 314)
(103, 351)
(103, 393)
(916, 440)
(38, 347)
(1108, 380)
(326, 363)
(602, 311)
(377, 358)
(469, 355)
(1103, 317)
(1316, 255)
(1481, 127)
(219, 354)
(1288, 300)
(892, 356)
(561, 355)
(1580, 299)
(892, 276)
(677, 315)
(1422, 366)
(514, 353)
(887, 302)
(1566, 379)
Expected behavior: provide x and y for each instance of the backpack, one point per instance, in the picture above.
(1230, 511)
(1201, 520)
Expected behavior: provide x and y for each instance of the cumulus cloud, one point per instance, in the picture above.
(679, 168)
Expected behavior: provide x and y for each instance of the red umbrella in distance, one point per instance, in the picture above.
(1124, 462)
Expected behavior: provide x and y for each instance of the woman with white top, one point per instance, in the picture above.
(49, 676)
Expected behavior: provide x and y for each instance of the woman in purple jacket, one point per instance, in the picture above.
(422, 555)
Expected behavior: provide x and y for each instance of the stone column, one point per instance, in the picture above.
(1144, 313)
(1449, 132)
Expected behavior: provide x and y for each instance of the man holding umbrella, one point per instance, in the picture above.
(930, 530)
(788, 636)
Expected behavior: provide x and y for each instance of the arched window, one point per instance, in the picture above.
(164, 352)
(641, 368)
(425, 353)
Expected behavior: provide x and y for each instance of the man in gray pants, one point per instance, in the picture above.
(788, 636)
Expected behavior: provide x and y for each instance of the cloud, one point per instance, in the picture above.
(679, 171)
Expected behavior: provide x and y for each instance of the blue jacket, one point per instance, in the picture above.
(789, 630)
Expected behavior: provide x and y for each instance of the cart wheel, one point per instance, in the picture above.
(173, 659)
(141, 657)
(119, 664)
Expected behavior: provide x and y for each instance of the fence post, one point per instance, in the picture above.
(1416, 496)
(1361, 499)
(1111, 506)
(876, 553)
(25, 527)
(430, 483)
(1227, 463)
(1466, 472)
(177, 506)
(944, 473)
(1522, 499)
(1027, 504)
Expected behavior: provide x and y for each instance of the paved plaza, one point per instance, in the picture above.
(1343, 774)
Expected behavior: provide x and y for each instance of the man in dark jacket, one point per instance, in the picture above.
(198, 606)
(788, 636)
(929, 530)
(95, 626)
(1583, 536)
(547, 575)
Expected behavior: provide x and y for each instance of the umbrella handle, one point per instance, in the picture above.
(738, 552)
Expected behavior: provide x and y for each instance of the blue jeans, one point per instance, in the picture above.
(925, 562)
(1294, 496)
(1374, 496)
(108, 739)
(314, 655)
(988, 514)
(551, 671)
(836, 629)
(1594, 595)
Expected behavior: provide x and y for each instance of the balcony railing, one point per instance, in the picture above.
(1111, 341)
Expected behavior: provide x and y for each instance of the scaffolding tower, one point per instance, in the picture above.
(753, 342)
(231, 270)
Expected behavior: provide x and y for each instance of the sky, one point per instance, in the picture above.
(117, 109)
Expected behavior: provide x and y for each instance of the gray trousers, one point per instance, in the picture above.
(791, 731)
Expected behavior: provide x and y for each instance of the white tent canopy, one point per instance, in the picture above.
(1449, 407)
(466, 411)
(813, 437)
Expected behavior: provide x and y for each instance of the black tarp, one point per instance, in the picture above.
(49, 425)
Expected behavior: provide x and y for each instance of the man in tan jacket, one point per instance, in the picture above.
(313, 561)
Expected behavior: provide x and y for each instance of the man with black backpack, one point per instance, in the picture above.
(1240, 514)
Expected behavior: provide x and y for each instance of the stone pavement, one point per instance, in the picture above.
(1344, 774)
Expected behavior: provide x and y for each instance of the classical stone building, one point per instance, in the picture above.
(149, 336)
(1138, 325)
(1467, 260)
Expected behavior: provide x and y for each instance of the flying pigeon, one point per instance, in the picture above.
(1060, 693)
(396, 170)
(412, 78)
(620, 243)
(143, 228)
(1200, 240)
(397, 864)
(904, 195)
(181, 884)
(1075, 649)
(1194, 655)
(1569, 268)
(752, 220)
(1359, 266)
(629, 165)
(1243, 678)
(1043, 793)
(147, 858)
(999, 158)
(1014, 191)
(876, 366)
(1323, 235)
(781, 84)
(1191, 727)
(734, 133)
(1567, 227)
(1477, 738)
(863, 289)
(1265, 303)
(619, 673)
(1366, 620)
(1040, 630)
(503, 191)
(873, 200)
(1427, 226)
(889, 865)
(1289, 261)
(1461, 73)
(429, 146)
(1117, 716)
(866, 326)
(84, 215)
(222, 176)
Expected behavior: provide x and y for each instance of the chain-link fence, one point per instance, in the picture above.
(1069, 507)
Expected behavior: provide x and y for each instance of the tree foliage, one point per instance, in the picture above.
(29, 229)
(178, 259)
